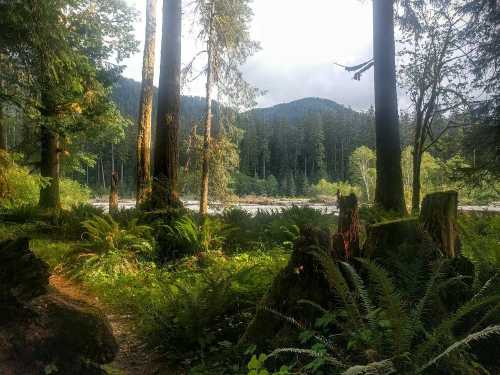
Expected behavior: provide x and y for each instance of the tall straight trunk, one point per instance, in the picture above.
(112, 158)
(415, 198)
(389, 189)
(49, 167)
(188, 149)
(208, 125)
(166, 153)
(103, 176)
(143, 149)
(3, 131)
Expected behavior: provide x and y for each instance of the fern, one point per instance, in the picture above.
(339, 285)
(311, 353)
(481, 335)
(384, 367)
(391, 303)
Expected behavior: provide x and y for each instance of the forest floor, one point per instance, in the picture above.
(133, 356)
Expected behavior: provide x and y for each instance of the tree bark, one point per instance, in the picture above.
(415, 198)
(166, 155)
(143, 188)
(113, 193)
(389, 189)
(3, 131)
(208, 126)
(346, 240)
(49, 167)
(439, 218)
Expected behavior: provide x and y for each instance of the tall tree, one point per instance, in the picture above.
(146, 107)
(389, 188)
(434, 74)
(166, 151)
(225, 30)
(65, 51)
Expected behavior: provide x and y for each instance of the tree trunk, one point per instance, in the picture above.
(143, 188)
(415, 198)
(166, 155)
(113, 193)
(103, 176)
(439, 218)
(389, 189)
(188, 150)
(3, 131)
(49, 167)
(346, 240)
(208, 126)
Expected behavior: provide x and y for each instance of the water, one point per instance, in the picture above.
(253, 208)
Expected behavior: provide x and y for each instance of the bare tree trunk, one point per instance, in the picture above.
(103, 176)
(143, 150)
(3, 131)
(208, 125)
(188, 150)
(49, 167)
(389, 189)
(113, 194)
(415, 198)
(166, 156)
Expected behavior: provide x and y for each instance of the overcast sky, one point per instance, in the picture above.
(300, 43)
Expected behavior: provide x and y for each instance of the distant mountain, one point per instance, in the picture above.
(297, 109)
(297, 142)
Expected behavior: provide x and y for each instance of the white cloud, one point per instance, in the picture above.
(300, 41)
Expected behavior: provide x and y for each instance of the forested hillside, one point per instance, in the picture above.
(298, 143)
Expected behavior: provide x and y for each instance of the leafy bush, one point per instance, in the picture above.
(18, 187)
(329, 189)
(373, 330)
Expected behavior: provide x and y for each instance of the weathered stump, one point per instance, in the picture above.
(113, 194)
(301, 279)
(346, 240)
(439, 218)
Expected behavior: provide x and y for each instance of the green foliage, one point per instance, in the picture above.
(104, 234)
(73, 194)
(480, 236)
(363, 171)
(329, 189)
(373, 329)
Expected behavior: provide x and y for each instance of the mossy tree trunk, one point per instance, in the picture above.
(439, 218)
(166, 153)
(143, 188)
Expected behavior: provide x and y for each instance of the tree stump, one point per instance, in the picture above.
(113, 194)
(302, 279)
(439, 218)
(346, 240)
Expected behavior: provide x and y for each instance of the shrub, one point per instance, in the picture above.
(73, 194)
(329, 189)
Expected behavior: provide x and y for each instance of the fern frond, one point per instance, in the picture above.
(363, 293)
(445, 328)
(311, 353)
(391, 303)
(375, 368)
(485, 287)
(485, 333)
(339, 285)
(313, 304)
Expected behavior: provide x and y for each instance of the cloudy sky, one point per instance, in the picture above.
(300, 43)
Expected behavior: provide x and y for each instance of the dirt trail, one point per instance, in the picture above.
(133, 357)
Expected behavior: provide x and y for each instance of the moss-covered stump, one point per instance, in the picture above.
(301, 279)
(389, 238)
(439, 218)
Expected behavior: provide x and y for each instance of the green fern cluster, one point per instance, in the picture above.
(374, 330)
(104, 234)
